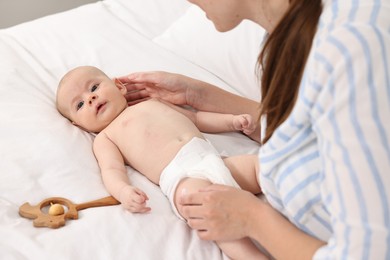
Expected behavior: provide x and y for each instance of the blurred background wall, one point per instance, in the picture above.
(13, 12)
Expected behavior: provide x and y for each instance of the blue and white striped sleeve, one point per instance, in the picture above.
(352, 122)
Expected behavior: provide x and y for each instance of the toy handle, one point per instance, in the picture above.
(107, 201)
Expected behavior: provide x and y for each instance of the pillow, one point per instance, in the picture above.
(148, 17)
(231, 56)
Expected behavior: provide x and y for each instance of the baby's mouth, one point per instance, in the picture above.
(100, 107)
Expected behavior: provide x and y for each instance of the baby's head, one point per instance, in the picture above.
(89, 98)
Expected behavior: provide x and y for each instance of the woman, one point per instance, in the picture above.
(325, 154)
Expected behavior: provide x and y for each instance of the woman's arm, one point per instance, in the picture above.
(207, 97)
(281, 238)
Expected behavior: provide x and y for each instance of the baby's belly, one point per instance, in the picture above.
(149, 136)
(150, 156)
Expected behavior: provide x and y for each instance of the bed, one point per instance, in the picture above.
(42, 155)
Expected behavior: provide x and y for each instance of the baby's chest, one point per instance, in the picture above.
(137, 135)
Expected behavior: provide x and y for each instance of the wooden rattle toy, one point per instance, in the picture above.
(57, 216)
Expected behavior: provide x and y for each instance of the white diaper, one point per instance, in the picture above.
(196, 159)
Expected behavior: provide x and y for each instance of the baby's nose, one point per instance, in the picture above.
(92, 98)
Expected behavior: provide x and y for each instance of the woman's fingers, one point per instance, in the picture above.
(151, 76)
(191, 199)
(215, 187)
(138, 94)
(202, 228)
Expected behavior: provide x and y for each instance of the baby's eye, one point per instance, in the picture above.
(80, 105)
(94, 87)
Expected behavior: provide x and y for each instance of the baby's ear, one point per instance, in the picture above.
(120, 86)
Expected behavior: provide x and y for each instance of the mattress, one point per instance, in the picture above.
(43, 155)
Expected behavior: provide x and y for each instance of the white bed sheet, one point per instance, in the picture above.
(42, 155)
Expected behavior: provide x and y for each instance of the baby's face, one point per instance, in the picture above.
(90, 99)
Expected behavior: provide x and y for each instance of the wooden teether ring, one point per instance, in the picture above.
(42, 219)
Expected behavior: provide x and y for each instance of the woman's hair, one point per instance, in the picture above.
(282, 61)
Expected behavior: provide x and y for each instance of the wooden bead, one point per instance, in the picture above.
(56, 209)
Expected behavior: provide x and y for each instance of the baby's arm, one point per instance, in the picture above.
(114, 175)
(211, 122)
(217, 123)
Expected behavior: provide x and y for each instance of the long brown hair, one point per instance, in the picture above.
(283, 60)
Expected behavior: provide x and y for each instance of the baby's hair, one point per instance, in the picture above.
(60, 84)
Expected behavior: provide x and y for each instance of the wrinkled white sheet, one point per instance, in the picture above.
(42, 155)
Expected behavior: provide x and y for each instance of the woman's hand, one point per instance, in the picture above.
(219, 212)
(174, 88)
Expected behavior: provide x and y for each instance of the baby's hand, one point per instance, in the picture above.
(244, 123)
(133, 199)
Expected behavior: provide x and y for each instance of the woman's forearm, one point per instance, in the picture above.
(207, 97)
(279, 236)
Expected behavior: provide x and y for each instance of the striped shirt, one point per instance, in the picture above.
(327, 167)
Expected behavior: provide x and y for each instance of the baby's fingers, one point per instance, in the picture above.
(139, 204)
(240, 123)
(139, 209)
(248, 125)
(244, 122)
(135, 206)
(141, 193)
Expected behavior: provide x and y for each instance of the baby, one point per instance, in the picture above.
(160, 140)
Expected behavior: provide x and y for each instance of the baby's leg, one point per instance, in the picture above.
(237, 249)
(244, 169)
(242, 248)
